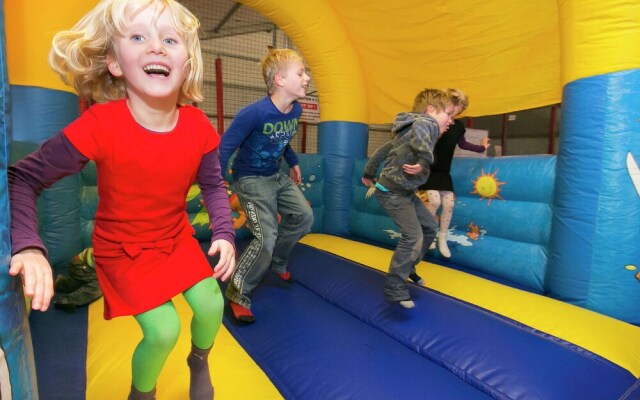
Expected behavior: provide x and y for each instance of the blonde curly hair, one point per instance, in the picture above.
(79, 55)
(458, 98)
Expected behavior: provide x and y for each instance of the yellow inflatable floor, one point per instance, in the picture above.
(111, 343)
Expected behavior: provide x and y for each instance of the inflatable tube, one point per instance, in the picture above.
(15, 337)
(594, 250)
(340, 143)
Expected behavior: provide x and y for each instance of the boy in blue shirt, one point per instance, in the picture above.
(406, 167)
(262, 133)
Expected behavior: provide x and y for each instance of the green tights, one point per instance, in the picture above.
(161, 328)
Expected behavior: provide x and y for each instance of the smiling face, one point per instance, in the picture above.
(150, 56)
(294, 80)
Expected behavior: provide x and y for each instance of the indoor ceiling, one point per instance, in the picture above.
(221, 18)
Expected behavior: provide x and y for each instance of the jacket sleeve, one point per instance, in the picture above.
(424, 135)
(378, 157)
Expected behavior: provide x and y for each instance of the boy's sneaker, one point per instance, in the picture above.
(241, 313)
(416, 278)
(408, 303)
(285, 276)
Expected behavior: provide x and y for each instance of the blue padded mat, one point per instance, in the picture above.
(60, 353)
(311, 349)
(332, 335)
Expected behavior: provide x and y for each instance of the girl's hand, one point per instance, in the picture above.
(227, 263)
(412, 169)
(485, 142)
(37, 278)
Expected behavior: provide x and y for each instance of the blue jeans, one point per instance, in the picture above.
(262, 199)
(417, 228)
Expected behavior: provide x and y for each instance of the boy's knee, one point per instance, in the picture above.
(301, 222)
(267, 244)
(308, 220)
(417, 246)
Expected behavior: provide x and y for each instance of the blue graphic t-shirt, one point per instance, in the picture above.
(262, 135)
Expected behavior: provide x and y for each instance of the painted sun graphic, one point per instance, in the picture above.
(487, 187)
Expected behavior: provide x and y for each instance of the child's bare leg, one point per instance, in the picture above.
(448, 202)
(433, 205)
(434, 201)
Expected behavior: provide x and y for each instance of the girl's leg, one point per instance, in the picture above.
(434, 201)
(448, 202)
(160, 330)
(205, 299)
(432, 206)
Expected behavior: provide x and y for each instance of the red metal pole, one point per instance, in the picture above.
(552, 126)
(503, 138)
(219, 101)
(303, 145)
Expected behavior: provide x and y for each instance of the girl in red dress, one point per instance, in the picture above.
(140, 61)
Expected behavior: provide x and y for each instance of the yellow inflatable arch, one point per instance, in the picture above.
(507, 55)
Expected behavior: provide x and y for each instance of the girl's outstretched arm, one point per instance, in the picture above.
(53, 160)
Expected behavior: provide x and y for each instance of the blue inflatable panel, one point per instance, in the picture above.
(595, 246)
(40, 113)
(505, 236)
(522, 178)
(60, 352)
(633, 393)
(15, 337)
(500, 357)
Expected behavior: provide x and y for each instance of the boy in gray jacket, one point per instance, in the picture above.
(406, 167)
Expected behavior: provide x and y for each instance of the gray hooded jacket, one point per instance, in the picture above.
(414, 137)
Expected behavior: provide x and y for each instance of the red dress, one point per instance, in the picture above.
(143, 245)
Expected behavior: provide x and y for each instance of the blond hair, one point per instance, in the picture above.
(275, 62)
(436, 98)
(458, 98)
(79, 55)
